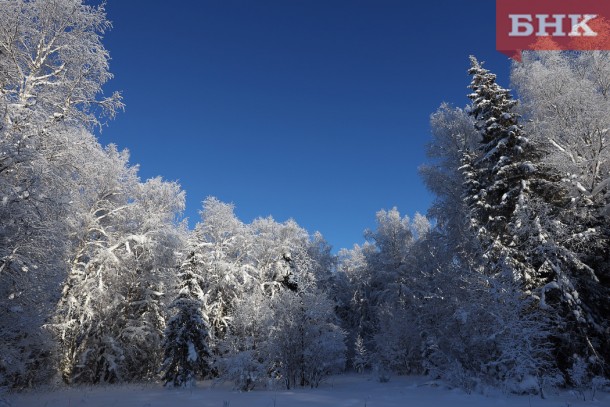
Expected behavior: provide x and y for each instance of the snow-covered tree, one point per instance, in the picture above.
(565, 97)
(244, 360)
(149, 261)
(566, 101)
(223, 242)
(276, 249)
(386, 263)
(498, 175)
(361, 357)
(54, 63)
(292, 339)
(305, 343)
(349, 291)
(478, 330)
(386, 282)
(453, 134)
(274, 275)
(53, 66)
(187, 336)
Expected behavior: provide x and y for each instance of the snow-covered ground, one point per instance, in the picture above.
(338, 391)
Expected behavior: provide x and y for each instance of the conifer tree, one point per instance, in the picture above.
(361, 357)
(187, 333)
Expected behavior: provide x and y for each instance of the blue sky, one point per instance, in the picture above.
(315, 110)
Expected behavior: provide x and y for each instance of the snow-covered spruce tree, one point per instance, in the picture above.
(517, 209)
(187, 333)
(497, 175)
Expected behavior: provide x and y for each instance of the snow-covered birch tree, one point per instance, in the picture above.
(53, 69)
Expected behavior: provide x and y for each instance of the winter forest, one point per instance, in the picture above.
(504, 283)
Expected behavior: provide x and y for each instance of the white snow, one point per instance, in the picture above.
(338, 391)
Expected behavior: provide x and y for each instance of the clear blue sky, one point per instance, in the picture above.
(312, 109)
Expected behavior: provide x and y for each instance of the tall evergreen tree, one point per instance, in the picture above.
(187, 332)
(497, 175)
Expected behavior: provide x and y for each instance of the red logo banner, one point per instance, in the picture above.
(551, 25)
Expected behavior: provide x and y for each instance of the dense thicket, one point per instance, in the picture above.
(505, 283)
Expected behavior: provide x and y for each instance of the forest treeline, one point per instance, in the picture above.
(506, 282)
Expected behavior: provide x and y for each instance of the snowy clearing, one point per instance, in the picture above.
(338, 391)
